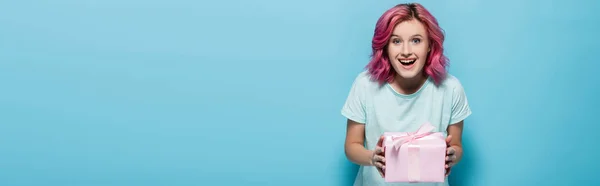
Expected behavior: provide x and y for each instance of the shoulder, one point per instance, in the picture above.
(365, 83)
(451, 83)
(364, 80)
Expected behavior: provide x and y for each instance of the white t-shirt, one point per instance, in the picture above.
(382, 109)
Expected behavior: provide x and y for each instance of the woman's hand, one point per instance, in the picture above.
(453, 155)
(378, 157)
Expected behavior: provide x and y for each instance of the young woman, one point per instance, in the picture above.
(404, 86)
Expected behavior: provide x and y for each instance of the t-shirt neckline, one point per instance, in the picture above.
(425, 84)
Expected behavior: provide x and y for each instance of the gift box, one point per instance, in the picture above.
(413, 157)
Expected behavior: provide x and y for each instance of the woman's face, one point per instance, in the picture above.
(408, 48)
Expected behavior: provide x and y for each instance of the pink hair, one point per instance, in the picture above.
(380, 68)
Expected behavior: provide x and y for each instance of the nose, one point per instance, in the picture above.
(405, 53)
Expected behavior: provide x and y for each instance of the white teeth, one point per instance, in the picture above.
(407, 61)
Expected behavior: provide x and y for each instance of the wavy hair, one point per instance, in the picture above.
(435, 66)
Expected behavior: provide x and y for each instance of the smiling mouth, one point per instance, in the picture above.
(407, 61)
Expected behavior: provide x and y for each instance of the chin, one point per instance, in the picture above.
(408, 74)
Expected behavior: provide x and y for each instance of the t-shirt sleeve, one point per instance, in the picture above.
(354, 107)
(460, 105)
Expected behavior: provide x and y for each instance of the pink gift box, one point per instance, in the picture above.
(413, 157)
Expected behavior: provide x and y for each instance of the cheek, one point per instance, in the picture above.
(392, 51)
(422, 53)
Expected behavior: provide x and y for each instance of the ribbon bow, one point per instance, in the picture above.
(414, 162)
(425, 130)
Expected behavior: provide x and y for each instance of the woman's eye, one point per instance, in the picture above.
(395, 41)
(416, 40)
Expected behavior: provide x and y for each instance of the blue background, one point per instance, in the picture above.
(181, 92)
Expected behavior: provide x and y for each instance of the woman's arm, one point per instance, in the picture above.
(354, 145)
(455, 150)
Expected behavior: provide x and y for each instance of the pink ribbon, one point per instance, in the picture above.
(414, 168)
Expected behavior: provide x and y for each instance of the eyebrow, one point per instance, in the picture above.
(411, 36)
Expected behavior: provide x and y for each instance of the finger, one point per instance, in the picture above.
(379, 150)
(450, 151)
(448, 170)
(448, 139)
(379, 165)
(381, 172)
(379, 159)
(380, 142)
(451, 159)
(450, 163)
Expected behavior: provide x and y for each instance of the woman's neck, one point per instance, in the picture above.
(408, 86)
